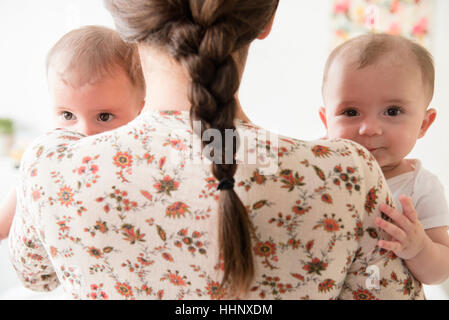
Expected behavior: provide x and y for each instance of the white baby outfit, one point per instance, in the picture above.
(427, 194)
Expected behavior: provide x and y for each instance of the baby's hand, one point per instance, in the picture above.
(409, 237)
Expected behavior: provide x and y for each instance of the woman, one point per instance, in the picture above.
(136, 212)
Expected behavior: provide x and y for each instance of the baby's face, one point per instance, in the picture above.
(382, 107)
(105, 105)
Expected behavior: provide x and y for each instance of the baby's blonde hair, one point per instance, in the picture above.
(371, 47)
(88, 54)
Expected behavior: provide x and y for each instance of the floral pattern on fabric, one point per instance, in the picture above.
(128, 215)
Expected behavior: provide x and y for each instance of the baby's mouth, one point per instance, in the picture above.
(373, 149)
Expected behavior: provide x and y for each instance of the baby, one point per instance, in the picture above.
(96, 84)
(376, 92)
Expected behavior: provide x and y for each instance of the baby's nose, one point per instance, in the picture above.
(370, 127)
(86, 128)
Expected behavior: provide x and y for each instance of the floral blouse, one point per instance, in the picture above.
(132, 214)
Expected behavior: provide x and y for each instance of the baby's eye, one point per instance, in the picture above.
(393, 111)
(105, 117)
(68, 115)
(350, 113)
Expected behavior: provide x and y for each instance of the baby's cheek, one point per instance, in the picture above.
(58, 123)
(401, 143)
(340, 131)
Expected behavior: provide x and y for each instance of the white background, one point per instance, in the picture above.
(280, 90)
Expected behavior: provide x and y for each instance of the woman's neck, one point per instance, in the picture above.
(167, 89)
(167, 84)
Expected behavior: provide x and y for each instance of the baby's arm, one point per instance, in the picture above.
(426, 253)
(7, 210)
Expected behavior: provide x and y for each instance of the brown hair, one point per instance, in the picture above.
(86, 55)
(371, 47)
(202, 35)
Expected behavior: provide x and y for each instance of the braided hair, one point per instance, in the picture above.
(202, 35)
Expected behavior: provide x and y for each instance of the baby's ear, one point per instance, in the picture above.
(429, 118)
(142, 104)
(322, 113)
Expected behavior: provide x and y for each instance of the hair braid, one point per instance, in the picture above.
(205, 48)
(203, 35)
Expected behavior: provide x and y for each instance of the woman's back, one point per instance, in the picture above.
(132, 214)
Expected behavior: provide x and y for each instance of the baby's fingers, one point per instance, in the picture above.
(391, 229)
(398, 218)
(390, 245)
(408, 208)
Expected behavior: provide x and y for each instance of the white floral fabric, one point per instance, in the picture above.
(128, 214)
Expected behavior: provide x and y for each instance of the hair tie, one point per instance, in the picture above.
(226, 184)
